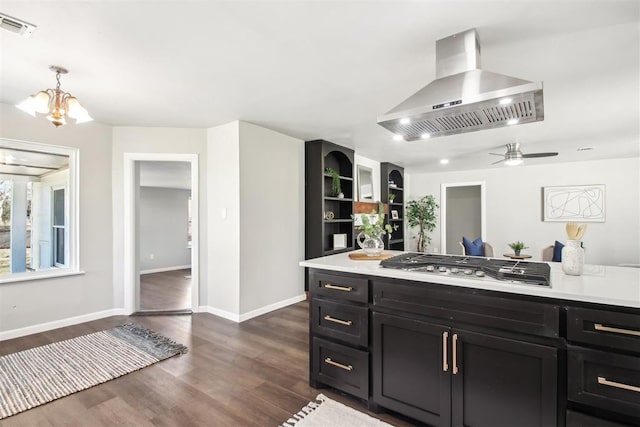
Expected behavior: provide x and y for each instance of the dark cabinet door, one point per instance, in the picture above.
(411, 368)
(502, 382)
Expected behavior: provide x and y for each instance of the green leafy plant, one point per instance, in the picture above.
(391, 197)
(422, 213)
(377, 228)
(517, 246)
(335, 181)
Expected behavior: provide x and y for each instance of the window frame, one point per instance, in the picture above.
(72, 212)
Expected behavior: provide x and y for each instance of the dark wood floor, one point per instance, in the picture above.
(169, 290)
(250, 374)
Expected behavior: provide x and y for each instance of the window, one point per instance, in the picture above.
(38, 210)
(59, 230)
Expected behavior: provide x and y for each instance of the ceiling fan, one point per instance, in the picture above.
(514, 156)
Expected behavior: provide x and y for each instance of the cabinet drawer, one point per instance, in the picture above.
(349, 323)
(342, 367)
(340, 287)
(605, 380)
(470, 306)
(620, 331)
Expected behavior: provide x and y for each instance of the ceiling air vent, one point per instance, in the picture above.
(16, 25)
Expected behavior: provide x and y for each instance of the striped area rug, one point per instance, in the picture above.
(325, 412)
(39, 375)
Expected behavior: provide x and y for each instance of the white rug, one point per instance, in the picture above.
(325, 412)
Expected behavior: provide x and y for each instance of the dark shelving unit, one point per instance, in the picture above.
(392, 182)
(319, 200)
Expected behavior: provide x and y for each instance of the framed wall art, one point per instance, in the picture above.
(576, 203)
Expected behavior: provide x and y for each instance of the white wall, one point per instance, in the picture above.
(271, 217)
(223, 198)
(375, 176)
(154, 140)
(38, 302)
(163, 228)
(514, 205)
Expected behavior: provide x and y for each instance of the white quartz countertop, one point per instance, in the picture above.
(600, 284)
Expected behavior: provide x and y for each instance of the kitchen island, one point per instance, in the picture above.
(446, 349)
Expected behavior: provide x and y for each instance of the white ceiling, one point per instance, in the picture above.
(327, 69)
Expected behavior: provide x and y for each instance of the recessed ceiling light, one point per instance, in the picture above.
(584, 149)
(505, 101)
(444, 161)
(405, 121)
(425, 136)
(512, 121)
(398, 138)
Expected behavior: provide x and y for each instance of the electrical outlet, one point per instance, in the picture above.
(151, 256)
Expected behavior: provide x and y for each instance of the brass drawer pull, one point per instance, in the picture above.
(601, 327)
(445, 339)
(455, 354)
(339, 321)
(338, 288)
(339, 365)
(604, 381)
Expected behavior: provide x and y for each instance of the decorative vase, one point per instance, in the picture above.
(517, 252)
(572, 258)
(340, 195)
(371, 245)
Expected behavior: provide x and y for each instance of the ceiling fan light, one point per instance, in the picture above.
(513, 162)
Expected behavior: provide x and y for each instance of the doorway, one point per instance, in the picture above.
(161, 233)
(463, 214)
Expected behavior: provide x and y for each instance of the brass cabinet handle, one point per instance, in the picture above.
(455, 353)
(339, 365)
(338, 288)
(339, 321)
(604, 381)
(445, 339)
(601, 327)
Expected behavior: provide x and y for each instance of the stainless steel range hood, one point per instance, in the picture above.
(464, 98)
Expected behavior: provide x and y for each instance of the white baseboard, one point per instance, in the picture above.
(163, 269)
(42, 327)
(220, 313)
(251, 314)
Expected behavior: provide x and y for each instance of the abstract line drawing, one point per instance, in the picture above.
(582, 203)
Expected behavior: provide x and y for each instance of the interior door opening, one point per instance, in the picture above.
(463, 214)
(161, 244)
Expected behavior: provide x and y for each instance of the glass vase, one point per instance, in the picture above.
(573, 258)
(371, 245)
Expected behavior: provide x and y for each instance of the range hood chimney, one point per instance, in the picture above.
(464, 98)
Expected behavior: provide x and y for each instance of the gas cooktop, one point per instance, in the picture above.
(534, 273)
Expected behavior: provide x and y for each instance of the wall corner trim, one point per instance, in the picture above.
(238, 318)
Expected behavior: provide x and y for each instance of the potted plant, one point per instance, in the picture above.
(336, 189)
(371, 231)
(517, 246)
(422, 213)
(392, 196)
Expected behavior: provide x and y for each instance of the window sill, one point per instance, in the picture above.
(37, 275)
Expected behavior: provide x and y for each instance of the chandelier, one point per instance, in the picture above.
(58, 105)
